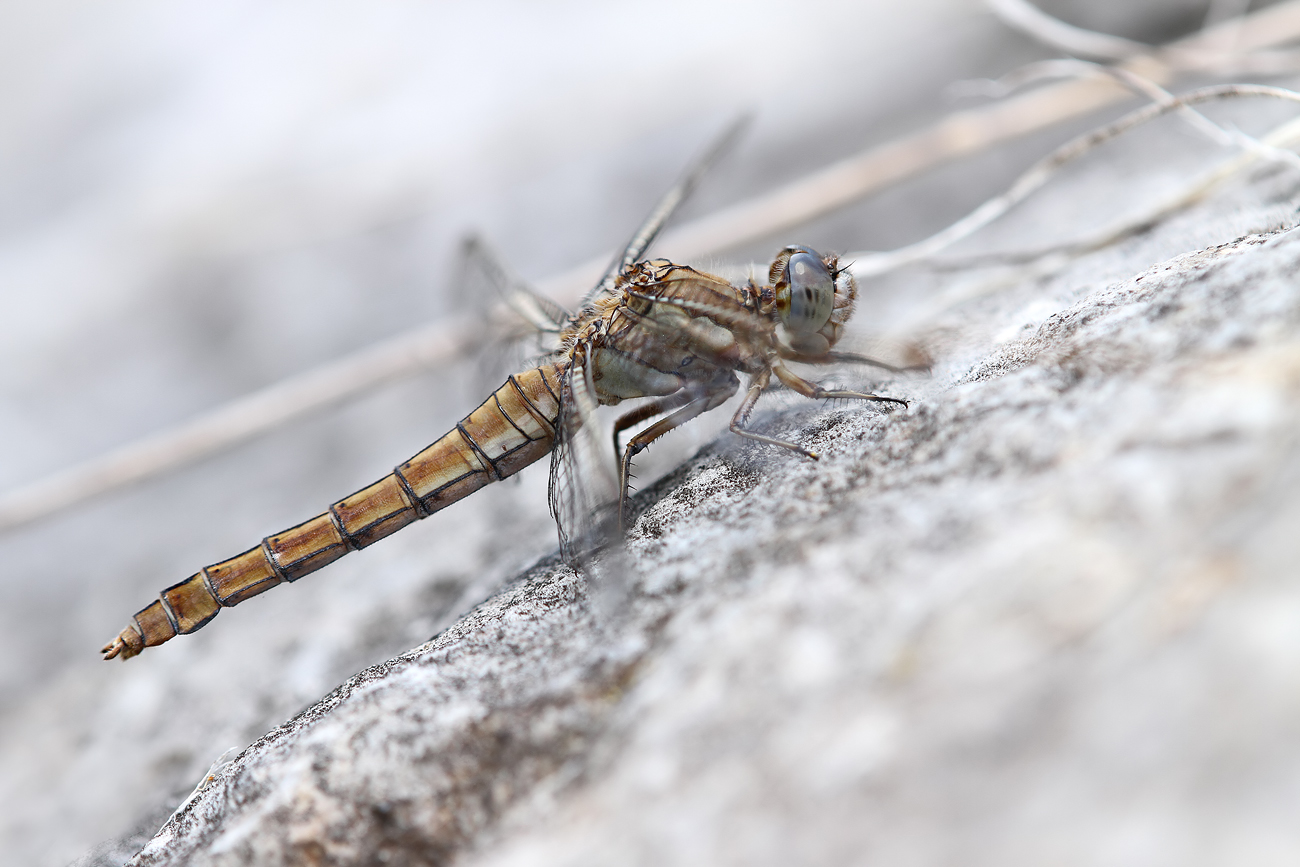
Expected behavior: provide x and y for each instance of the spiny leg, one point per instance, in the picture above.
(741, 418)
(836, 356)
(802, 386)
(696, 403)
(816, 392)
(647, 411)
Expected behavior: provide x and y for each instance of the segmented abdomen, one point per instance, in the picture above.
(510, 430)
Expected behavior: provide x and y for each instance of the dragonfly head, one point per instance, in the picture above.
(813, 297)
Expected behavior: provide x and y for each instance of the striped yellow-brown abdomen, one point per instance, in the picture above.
(510, 430)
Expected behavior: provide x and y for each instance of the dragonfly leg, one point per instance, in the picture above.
(690, 404)
(816, 392)
(741, 418)
(835, 356)
(647, 411)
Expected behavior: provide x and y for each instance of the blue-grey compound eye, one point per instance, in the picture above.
(812, 293)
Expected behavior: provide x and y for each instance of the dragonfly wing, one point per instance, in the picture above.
(533, 307)
(584, 485)
(585, 495)
(663, 211)
(527, 339)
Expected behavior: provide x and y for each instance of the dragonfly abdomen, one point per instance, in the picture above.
(513, 428)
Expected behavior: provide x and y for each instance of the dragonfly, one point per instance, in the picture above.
(675, 337)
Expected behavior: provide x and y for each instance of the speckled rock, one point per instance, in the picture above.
(1049, 613)
(1044, 615)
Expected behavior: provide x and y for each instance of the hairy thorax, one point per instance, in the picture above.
(669, 326)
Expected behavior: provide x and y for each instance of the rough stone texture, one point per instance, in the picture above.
(1041, 616)
(1047, 614)
(199, 201)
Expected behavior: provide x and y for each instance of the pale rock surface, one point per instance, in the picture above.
(198, 201)
(1042, 615)
(1049, 613)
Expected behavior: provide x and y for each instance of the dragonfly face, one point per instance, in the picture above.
(812, 297)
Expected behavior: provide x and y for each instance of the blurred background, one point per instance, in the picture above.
(199, 200)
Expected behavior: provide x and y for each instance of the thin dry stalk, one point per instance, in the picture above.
(875, 169)
(1037, 24)
(868, 264)
(1042, 262)
(1220, 48)
(241, 419)
(959, 134)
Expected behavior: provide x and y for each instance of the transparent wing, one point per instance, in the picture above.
(584, 495)
(542, 313)
(653, 225)
(584, 485)
(521, 326)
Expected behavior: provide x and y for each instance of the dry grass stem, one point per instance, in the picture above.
(867, 263)
(1045, 261)
(956, 135)
(872, 170)
(241, 419)
(1037, 24)
(1227, 44)
(1288, 134)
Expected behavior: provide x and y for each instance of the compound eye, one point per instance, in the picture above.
(812, 293)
